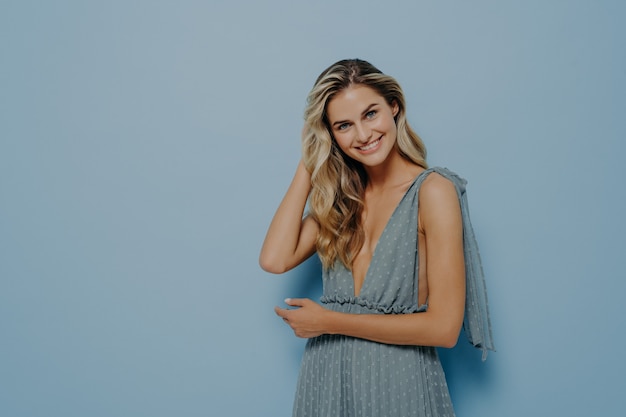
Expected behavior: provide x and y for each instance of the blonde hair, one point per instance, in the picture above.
(338, 182)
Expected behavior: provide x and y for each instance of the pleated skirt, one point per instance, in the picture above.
(343, 376)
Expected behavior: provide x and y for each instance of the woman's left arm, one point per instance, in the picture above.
(440, 221)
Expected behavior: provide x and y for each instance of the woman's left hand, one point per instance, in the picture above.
(307, 320)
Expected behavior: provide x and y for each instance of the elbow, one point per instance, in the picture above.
(449, 341)
(273, 266)
(449, 337)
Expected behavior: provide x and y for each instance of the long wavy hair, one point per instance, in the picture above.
(338, 182)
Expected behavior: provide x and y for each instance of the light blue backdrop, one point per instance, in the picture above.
(144, 146)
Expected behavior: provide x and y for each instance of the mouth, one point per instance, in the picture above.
(370, 145)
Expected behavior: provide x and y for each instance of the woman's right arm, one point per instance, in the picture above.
(290, 239)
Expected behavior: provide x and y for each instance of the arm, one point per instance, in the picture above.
(441, 222)
(290, 239)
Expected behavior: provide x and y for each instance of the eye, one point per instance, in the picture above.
(370, 114)
(343, 126)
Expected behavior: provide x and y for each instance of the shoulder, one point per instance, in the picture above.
(437, 187)
(438, 201)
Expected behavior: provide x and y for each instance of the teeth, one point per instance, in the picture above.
(370, 146)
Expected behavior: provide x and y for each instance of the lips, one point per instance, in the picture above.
(370, 145)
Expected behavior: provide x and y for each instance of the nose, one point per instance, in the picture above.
(363, 133)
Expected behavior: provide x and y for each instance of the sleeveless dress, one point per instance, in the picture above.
(343, 376)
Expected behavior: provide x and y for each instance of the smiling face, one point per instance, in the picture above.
(363, 125)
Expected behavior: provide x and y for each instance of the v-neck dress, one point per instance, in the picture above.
(343, 376)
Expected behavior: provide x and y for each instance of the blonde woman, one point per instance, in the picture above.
(401, 269)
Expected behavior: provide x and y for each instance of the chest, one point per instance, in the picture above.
(376, 215)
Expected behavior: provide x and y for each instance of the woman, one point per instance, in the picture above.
(401, 270)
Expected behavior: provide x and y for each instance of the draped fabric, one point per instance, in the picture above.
(350, 377)
(476, 323)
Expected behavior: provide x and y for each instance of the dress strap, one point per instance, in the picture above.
(476, 323)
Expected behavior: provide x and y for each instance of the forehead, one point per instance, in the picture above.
(351, 101)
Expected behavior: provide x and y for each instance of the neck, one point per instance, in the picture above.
(394, 171)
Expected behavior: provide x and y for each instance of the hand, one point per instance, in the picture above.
(307, 320)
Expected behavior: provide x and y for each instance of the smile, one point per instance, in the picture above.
(370, 145)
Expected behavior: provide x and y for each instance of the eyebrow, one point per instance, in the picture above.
(364, 112)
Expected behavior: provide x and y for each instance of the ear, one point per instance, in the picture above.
(395, 108)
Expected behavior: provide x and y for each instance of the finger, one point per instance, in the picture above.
(295, 302)
(281, 312)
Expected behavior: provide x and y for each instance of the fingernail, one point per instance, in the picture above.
(287, 300)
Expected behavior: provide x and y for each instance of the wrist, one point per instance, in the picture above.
(330, 322)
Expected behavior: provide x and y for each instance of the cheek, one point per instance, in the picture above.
(391, 125)
(342, 141)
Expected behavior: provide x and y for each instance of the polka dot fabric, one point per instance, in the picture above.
(348, 377)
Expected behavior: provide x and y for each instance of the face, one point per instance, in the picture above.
(363, 124)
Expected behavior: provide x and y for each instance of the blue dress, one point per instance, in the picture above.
(343, 376)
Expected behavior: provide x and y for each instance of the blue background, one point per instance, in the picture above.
(144, 146)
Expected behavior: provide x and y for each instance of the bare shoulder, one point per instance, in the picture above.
(437, 188)
(439, 201)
